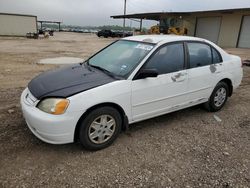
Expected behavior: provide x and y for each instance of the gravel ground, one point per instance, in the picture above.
(188, 148)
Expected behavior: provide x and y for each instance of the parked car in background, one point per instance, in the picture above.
(105, 33)
(128, 34)
(109, 33)
(131, 80)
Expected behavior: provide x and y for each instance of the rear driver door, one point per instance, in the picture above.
(204, 71)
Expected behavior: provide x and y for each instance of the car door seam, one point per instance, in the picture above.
(165, 98)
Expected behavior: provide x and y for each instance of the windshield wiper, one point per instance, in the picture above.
(103, 70)
(86, 65)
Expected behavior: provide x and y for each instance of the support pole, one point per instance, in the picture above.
(59, 26)
(124, 23)
(141, 25)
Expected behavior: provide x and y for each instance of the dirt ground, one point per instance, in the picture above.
(188, 148)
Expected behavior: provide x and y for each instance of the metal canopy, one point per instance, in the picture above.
(148, 16)
(43, 21)
(157, 15)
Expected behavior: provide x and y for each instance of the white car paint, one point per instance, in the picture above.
(139, 99)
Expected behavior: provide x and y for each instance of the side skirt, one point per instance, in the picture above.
(170, 109)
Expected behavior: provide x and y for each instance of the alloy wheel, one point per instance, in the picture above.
(102, 129)
(220, 97)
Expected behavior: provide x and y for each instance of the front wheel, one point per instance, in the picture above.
(100, 128)
(218, 97)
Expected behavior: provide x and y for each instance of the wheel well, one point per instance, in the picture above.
(116, 106)
(230, 85)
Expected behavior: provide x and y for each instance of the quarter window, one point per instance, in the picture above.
(167, 59)
(216, 56)
(199, 54)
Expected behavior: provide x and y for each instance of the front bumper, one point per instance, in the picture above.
(53, 129)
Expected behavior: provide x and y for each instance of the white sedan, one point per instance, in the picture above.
(133, 79)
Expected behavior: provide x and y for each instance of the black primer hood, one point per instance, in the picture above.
(67, 81)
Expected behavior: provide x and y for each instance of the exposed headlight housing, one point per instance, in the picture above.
(54, 106)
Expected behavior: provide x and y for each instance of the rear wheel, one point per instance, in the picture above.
(218, 97)
(100, 128)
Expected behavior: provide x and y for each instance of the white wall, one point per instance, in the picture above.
(230, 28)
(15, 25)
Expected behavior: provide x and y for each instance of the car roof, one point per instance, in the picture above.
(161, 38)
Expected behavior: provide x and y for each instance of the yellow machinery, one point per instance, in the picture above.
(177, 31)
(154, 29)
(170, 25)
(171, 30)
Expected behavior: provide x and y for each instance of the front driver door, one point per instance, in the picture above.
(166, 92)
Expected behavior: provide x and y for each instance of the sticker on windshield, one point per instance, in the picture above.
(123, 67)
(144, 47)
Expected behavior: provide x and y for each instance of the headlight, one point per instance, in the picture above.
(53, 105)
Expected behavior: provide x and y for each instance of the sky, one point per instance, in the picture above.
(98, 12)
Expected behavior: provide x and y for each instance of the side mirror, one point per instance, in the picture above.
(145, 73)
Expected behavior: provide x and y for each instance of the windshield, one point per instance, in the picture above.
(121, 57)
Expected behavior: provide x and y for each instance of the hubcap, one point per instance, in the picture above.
(102, 129)
(220, 97)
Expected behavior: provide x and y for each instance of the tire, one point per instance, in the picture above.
(104, 132)
(221, 92)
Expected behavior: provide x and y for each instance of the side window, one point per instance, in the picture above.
(169, 58)
(199, 54)
(216, 56)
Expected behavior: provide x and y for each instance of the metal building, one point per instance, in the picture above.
(17, 24)
(227, 27)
